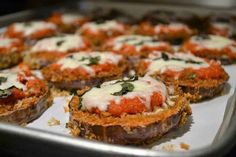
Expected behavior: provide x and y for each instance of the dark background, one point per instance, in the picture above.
(11, 6)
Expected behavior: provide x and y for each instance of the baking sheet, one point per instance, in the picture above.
(199, 132)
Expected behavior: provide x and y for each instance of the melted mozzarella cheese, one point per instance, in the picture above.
(138, 41)
(106, 26)
(52, 44)
(214, 42)
(12, 80)
(32, 27)
(224, 26)
(161, 65)
(171, 26)
(75, 60)
(70, 18)
(6, 42)
(143, 89)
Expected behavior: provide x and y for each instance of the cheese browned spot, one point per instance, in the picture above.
(143, 88)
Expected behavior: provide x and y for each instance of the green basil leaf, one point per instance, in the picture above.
(193, 62)
(3, 79)
(94, 60)
(59, 43)
(164, 56)
(202, 37)
(126, 87)
(80, 103)
(192, 76)
(5, 93)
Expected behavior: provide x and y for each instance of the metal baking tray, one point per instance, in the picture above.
(34, 140)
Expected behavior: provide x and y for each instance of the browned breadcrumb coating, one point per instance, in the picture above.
(128, 128)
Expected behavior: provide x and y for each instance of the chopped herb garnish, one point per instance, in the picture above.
(5, 93)
(100, 21)
(126, 87)
(59, 43)
(28, 24)
(193, 62)
(176, 59)
(131, 79)
(80, 103)
(202, 37)
(164, 56)
(3, 79)
(94, 60)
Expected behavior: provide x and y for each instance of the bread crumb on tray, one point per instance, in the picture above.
(53, 122)
(184, 146)
(168, 147)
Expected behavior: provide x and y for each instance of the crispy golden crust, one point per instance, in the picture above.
(10, 59)
(69, 80)
(127, 129)
(27, 109)
(202, 89)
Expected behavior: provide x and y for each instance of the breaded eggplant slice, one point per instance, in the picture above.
(198, 78)
(49, 50)
(129, 111)
(214, 47)
(85, 69)
(32, 30)
(67, 22)
(23, 97)
(11, 52)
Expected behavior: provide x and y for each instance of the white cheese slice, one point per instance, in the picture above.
(161, 65)
(171, 26)
(12, 80)
(106, 26)
(53, 44)
(32, 27)
(138, 41)
(70, 18)
(101, 97)
(76, 60)
(214, 42)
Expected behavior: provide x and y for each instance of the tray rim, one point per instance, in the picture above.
(109, 149)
